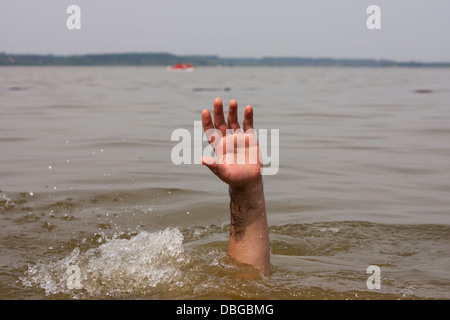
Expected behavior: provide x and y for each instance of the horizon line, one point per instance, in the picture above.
(226, 57)
(167, 58)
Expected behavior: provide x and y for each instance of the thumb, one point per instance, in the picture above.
(211, 163)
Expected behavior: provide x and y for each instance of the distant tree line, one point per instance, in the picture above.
(166, 59)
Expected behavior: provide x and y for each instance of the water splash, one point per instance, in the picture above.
(116, 268)
(5, 201)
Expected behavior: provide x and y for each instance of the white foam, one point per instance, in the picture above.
(334, 230)
(116, 268)
(5, 201)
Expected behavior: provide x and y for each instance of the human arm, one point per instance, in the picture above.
(249, 235)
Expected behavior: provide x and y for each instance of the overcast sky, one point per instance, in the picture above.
(410, 29)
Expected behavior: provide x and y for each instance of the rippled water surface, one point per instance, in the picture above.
(91, 205)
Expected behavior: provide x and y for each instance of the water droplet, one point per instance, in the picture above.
(187, 212)
(49, 167)
(157, 259)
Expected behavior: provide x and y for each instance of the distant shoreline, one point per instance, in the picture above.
(166, 59)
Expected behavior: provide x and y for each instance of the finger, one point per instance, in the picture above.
(232, 115)
(248, 118)
(206, 120)
(211, 163)
(219, 119)
(208, 161)
(214, 137)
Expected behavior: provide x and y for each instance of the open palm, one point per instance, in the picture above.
(238, 159)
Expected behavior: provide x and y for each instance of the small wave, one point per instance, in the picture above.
(5, 201)
(321, 260)
(116, 268)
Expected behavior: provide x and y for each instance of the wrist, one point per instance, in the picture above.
(252, 187)
(247, 206)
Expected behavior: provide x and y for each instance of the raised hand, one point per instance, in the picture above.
(238, 157)
(238, 164)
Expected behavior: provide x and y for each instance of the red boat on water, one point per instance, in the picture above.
(181, 67)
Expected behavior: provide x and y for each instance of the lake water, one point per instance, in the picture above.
(92, 206)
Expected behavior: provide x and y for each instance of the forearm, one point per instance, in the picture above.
(249, 235)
